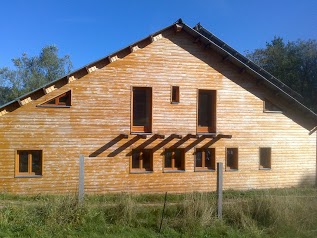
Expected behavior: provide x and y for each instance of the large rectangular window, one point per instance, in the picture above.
(265, 158)
(205, 159)
(232, 159)
(142, 109)
(174, 159)
(29, 163)
(142, 160)
(206, 121)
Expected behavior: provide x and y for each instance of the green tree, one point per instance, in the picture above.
(294, 63)
(30, 73)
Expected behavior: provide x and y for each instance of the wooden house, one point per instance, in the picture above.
(156, 117)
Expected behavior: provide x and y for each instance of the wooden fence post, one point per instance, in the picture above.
(219, 189)
(81, 188)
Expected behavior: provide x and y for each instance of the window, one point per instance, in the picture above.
(63, 100)
(206, 122)
(142, 160)
(29, 163)
(232, 159)
(265, 158)
(175, 94)
(142, 109)
(270, 107)
(205, 159)
(174, 159)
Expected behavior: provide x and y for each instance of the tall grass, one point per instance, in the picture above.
(266, 213)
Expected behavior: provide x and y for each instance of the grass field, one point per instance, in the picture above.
(256, 213)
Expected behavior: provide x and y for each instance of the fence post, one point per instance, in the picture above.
(81, 188)
(219, 189)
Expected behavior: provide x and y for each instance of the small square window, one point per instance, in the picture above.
(29, 163)
(142, 160)
(175, 94)
(265, 158)
(174, 159)
(205, 159)
(232, 159)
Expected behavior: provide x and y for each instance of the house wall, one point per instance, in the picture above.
(101, 109)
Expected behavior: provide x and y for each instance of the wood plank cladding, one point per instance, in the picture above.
(98, 125)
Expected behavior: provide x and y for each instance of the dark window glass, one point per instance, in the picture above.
(168, 159)
(23, 162)
(270, 107)
(37, 162)
(142, 109)
(175, 94)
(199, 160)
(136, 159)
(204, 109)
(208, 158)
(232, 158)
(63, 100)
(178, 159)
(147, 155)
(206, 118)
(265, 158)
(51, 102)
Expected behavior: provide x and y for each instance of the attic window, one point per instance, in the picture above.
(270, 107)
(175, 94)
(62, 100)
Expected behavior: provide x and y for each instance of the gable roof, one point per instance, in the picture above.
(199, 33)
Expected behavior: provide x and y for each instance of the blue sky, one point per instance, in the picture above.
(91, 29)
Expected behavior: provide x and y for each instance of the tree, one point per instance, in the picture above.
(294, 63)
(30, 73)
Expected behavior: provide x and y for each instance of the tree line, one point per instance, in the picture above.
(30, 73)
(294, 63)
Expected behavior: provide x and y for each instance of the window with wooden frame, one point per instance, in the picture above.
(141, 160)
(232, 157)
(62, 100)
(141, 110)
(29, 163)
(206, 118)
(265, 158)
(174, 159)
(175, 94)
(270, 107)
(205, 159)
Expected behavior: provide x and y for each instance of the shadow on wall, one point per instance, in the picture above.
(161, 144)
(308, 181)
